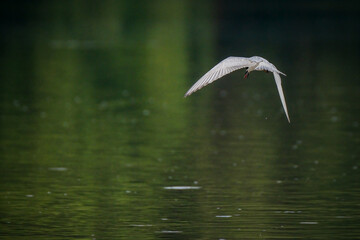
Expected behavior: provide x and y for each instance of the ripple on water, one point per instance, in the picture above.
(223, 216)
(309, 223)
(182, 187)
(58, 169)
(141, 225)
(169, 231)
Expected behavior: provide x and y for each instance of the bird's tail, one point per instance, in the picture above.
(281, 73)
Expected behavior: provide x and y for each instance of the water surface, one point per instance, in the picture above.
(97, 141)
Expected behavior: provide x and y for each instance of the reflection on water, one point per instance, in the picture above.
(97, 141)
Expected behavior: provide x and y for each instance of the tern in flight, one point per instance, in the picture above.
(231, 64)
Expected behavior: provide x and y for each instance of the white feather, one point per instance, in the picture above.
(231, 64)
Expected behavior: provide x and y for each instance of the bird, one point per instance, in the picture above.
(231, 64)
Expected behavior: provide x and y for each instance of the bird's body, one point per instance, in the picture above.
(231, 64)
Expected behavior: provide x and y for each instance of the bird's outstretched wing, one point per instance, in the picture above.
(279, 87)
(267, 66)
(224, 67)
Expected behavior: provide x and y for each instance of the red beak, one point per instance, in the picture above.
(246, 75)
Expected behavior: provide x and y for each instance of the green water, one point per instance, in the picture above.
(97, 141)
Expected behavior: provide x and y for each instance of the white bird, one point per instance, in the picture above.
(231, 64)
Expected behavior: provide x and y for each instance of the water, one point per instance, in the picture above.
(97, 141)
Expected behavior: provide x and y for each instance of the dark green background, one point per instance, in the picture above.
(94, 125)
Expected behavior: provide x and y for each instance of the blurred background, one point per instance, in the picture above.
(97, 141)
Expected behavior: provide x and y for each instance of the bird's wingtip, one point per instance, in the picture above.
(287, 116)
